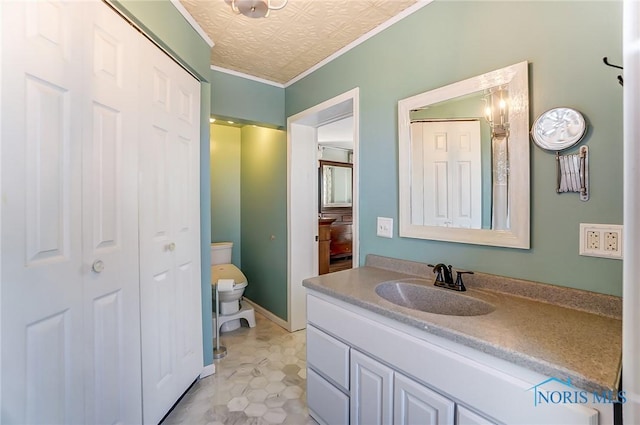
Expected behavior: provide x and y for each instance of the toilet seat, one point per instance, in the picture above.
(228, 271)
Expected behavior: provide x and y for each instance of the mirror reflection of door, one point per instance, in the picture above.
(446, 173)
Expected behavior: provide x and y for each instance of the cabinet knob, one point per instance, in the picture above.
(97, 266)
(171, 246)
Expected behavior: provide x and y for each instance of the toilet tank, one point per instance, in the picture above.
(221, 252)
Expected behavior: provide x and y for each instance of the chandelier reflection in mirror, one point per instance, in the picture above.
(255, 8)
(496, 112)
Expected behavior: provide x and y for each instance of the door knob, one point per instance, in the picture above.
(98, 266)
(171, 246)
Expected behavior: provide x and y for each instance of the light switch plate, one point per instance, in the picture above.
(601, 240)
(385, 227)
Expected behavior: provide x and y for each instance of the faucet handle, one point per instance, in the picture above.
(459, 285)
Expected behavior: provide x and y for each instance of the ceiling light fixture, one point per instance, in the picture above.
(254, 8)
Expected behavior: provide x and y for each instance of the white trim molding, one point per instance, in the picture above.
(302, 145)
(246, 76)
(631, 229)
(208, 370)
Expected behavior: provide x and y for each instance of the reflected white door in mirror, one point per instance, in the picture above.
(464, 161)
(447, 153)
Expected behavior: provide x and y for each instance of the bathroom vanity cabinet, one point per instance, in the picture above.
(364, 368)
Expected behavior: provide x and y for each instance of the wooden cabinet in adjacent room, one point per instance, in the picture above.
(324, 244)
(341, 240)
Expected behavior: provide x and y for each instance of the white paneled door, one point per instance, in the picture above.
(70, 297)
(42, 296)
(446, 170)
(110, 219)
(169, 233)
(99, 132)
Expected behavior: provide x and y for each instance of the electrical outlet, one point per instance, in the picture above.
(611, 241)
(385, 227)
(593, 240)
(601, 240)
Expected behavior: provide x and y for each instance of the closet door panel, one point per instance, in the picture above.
(42, 351)
(187, 253)
(169, 234)
(110, 219)
(186, 108)
(157, 274)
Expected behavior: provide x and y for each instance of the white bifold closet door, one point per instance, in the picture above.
(100, 253)
(70, 293)
(169, 232)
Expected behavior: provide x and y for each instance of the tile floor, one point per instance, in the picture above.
(262, 380)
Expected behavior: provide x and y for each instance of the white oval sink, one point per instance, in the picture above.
(420, 294)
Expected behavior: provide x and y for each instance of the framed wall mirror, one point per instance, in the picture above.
(464, 161)
(336, 185)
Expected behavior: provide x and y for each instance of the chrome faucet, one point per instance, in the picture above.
(444, 277)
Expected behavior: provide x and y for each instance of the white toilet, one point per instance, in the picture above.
(232, 309)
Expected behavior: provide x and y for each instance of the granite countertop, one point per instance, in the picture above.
(559, 332)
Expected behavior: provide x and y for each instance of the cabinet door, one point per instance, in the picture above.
(416, 404)
(465, 416)
(371, 391)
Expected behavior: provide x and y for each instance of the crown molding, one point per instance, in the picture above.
(246, 76)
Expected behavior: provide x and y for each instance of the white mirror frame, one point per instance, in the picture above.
(516, 77)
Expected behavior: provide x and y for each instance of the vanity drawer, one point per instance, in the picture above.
(326, 403)
(328, 356)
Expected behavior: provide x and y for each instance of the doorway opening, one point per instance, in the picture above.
(303, 192)
(335, 196)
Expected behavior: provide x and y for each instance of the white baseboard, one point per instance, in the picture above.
(269, 315)
(208, 371)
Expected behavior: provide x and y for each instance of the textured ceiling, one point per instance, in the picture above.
(292, 40)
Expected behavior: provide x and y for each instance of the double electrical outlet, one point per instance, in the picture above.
(601, 240)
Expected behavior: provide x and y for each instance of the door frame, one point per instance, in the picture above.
(631, 230)
(302, 245)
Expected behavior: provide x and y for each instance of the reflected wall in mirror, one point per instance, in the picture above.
(464, 161)
(337, 184)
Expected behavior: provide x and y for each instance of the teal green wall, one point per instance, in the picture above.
(264, 217)
(162, 21)
(448, 41)
(170, 29)
(247, 101)
(225, 187)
